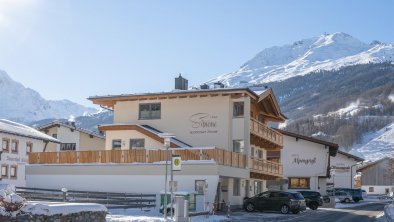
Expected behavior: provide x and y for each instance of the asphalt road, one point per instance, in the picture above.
(364, 213)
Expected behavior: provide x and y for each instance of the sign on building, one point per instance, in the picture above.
(176, 163)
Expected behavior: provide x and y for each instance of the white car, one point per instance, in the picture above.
(342, 196)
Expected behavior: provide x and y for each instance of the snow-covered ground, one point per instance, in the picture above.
(366, 201)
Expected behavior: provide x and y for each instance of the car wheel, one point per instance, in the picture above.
(347, 200)
(295, 211)
(249, 207)
(284, 209)
(313, 206)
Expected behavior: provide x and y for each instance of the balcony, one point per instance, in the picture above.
(265, 169)
(220, 156)
(264, 136)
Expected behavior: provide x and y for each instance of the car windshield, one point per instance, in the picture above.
(297, 196)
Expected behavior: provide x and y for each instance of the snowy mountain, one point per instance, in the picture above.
(25, 105)
(382, 144)
(326, 52)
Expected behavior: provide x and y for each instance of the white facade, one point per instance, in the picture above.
(305, 164)
(344, 169)
(377, 190)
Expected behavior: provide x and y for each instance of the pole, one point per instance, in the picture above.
(165, 183)
(351, 176)
(172, 188)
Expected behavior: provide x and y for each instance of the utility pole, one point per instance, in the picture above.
(167, 142)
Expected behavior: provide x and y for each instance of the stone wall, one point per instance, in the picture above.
(98, 216)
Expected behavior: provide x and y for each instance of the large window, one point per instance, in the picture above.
(299, 183)
(236, 187)
(68, 146)
(14, 146)
(116, 144)
(13, 171)
(4, 171)
(238, 109)
(238, 146)
(150, 111)
(6, 144)
(137, 143)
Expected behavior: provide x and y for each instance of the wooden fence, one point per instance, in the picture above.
(109, 199)
(221, 157)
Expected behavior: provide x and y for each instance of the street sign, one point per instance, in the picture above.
(176, 163)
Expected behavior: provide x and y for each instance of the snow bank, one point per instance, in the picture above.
(50, 208)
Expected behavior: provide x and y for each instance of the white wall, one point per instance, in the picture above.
(342, 177)
(378, 189)
(65, 135)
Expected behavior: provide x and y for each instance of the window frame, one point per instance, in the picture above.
(16, 172)
(136, 147)
(240, 109)
(7, 146)
(7, 171)
(308, 180)
(236, 188)
(29, 144)
(116, 148)
(241, 149)
(16, 142)
(68, 147)
(150, 116)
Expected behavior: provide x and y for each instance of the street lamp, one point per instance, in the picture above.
(167, 142)
(351, 173)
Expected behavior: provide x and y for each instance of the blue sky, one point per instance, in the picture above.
(75, 49)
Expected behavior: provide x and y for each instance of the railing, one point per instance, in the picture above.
(262, 130)
(109, 199)
(266, 167)
(221, 157)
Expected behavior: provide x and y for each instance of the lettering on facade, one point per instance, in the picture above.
(305, 161)
(16, 159)
(203, 123)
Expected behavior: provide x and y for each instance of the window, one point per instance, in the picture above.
(137, 143)
(116, 144)
(6, 144)
(150, 111)
(14, 146)
(68, 146)
(4, 171)
(371, 189)
(257, 187)
(238, 109)
(236, 187)
(54, 135)
(252, 152)
(260, 154)
(13, 171)
(199, 186)
(298, 183)
(29, 147)
(238, 146)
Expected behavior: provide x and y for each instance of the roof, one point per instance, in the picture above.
(146, 130)
(358, 159)
(17, 129)
(258, 95)
(332, 146)
(373, 163)
(59, 123)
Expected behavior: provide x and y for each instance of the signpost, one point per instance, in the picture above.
(176, 165)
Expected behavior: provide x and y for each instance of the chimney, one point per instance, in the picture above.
(71, 121)
(181, 83)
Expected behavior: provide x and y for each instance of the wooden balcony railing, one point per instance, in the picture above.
(266, 167)
(220, 156)
(263, 131)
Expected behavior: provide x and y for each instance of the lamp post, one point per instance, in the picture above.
(167, 142)
(351, 173)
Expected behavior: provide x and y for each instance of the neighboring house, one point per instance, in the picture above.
(306, 162)
(343, 170)
(71, 137)
(222, 136)
(378, 177)
(17, 141)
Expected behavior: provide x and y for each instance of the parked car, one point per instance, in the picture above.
(355, 193)
(343, 196)
(313, 199)
(276, 201)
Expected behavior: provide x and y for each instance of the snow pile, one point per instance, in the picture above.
(53, 208)
(9, 200)
(326, 52)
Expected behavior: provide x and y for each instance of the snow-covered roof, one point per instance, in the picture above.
(13, 128)
(56, 122)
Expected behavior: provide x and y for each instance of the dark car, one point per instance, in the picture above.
(313, 199)
(276, 201)
(356, 194)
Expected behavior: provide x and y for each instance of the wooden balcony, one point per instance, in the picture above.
(265, 169)
(220, 156)
(264, 136)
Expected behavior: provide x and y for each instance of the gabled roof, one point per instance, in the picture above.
(59, 123)
(356, 158)
(373, 163)
(17, 129)
(265, 95)
(144, 129)
(333, 147)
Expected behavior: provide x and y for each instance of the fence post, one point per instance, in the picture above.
(146, 156)
(57, 157)
(77, 157)
(99, 160)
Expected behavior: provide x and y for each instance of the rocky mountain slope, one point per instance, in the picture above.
(25, 105)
